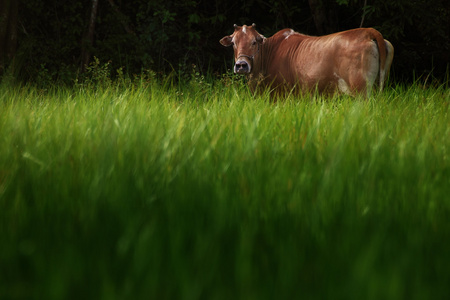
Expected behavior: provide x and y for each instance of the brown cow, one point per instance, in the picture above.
(348, 61)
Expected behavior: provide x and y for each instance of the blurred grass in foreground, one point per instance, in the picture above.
(203, 191)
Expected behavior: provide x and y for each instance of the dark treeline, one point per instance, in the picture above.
(57, 39)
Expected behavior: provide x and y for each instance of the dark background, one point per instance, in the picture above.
(56, 39)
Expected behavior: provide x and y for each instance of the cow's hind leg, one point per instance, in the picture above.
(389, 58)
(371, 66)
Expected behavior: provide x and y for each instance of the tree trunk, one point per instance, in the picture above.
(122, 18)
(8, 31)
(88, 40)
(364, 14)
(325, 15)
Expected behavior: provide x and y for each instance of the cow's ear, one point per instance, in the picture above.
(226, 41)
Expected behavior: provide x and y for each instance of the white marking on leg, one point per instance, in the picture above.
(342, 85)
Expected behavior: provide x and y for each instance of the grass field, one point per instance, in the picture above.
(202, 191)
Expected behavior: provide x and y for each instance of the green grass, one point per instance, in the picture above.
(202, 191)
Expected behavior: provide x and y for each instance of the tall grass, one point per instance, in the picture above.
(204, 191)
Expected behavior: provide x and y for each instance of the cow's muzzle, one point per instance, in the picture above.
(242, 67)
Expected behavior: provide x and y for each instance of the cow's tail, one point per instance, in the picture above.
(382, 51)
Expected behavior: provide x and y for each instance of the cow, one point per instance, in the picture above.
(348, 62)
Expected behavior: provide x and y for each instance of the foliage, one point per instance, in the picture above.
(97, 75)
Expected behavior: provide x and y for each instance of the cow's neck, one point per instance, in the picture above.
(259, 73)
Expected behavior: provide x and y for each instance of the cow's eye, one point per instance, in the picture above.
(253, 43)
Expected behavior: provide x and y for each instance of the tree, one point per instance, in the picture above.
(88, 40)
(325, 15)
(8, 32)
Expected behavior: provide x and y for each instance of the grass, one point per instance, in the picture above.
(202, 191)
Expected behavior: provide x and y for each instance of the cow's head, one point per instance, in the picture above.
(246, 42)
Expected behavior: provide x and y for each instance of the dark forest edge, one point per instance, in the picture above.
(100, 76)
(54, 42)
